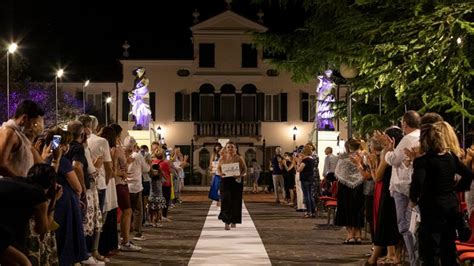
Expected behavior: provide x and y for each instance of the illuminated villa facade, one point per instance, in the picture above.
(227, 91)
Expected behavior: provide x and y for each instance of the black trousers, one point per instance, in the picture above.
(437, 240)
(369, 214)
(109, 236)
(167, 196)
(231, 201)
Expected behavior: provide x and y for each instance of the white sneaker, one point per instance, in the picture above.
(92, 261)
(130, 247)
(165, 219)
(139, 238)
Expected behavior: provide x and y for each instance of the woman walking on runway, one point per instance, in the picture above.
(231, 186)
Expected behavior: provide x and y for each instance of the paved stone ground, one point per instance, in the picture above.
(174, 243)
(288, 238)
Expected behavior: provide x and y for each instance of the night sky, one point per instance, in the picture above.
(86, 36)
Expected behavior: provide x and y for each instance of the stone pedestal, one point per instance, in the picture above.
(143, 137)
(327, 139)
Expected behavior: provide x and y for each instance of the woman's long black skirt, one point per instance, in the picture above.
(231, 201)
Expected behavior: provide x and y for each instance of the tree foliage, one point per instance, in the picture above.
(413, 54)
(45, 95)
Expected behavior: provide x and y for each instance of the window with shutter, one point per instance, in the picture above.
(304, 106)
(228, 107)
(178, 106)
(249, 102)
(186, 107)
(207, 107)
(283, 107)
(125, 106)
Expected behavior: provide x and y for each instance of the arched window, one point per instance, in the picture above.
(249, 88)
(228, 102)
(206, 88)
(227, 88)
(249, 102)
(206, 102)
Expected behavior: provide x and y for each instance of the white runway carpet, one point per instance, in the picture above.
(239, 246)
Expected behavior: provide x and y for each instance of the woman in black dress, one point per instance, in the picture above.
(385, 218)
(231, 188)
(433, 188)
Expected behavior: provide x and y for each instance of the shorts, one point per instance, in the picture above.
(123, 197)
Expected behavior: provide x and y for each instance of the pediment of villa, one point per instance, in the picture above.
(227, 22)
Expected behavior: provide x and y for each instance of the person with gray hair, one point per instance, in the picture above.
(94, 124)
(401, 178)
(277, 175)
(94, 214)
(100, 151)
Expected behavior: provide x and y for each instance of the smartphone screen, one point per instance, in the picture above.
(55, 142)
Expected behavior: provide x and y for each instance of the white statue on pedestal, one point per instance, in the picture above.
(139, 99)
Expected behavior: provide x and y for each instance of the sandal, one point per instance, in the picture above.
(349, 241)
(389, 260)
(358, 241)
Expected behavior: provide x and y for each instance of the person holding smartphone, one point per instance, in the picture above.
(71, 241)
(23, 198)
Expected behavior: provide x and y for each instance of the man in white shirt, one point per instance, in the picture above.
(136, 166)
(401, 178)
(330, 163)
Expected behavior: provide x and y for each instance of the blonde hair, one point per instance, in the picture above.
(449, 136)
(439, 137)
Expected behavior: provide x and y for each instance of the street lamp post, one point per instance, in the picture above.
(107, 101)
(295, 130)
(59, 74)
(348, 73)
(11, 49)
(158, 130)
(84, 95)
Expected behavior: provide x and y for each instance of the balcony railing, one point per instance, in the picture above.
(227, 129)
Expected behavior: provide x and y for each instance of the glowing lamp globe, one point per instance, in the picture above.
(348, 72)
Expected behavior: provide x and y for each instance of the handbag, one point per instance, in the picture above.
(463, 230)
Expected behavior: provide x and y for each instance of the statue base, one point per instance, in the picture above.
(143, 137)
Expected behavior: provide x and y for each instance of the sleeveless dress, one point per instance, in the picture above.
(215, 184)
(22, 160)
(156, 201)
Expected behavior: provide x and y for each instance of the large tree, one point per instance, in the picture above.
(413, 54)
